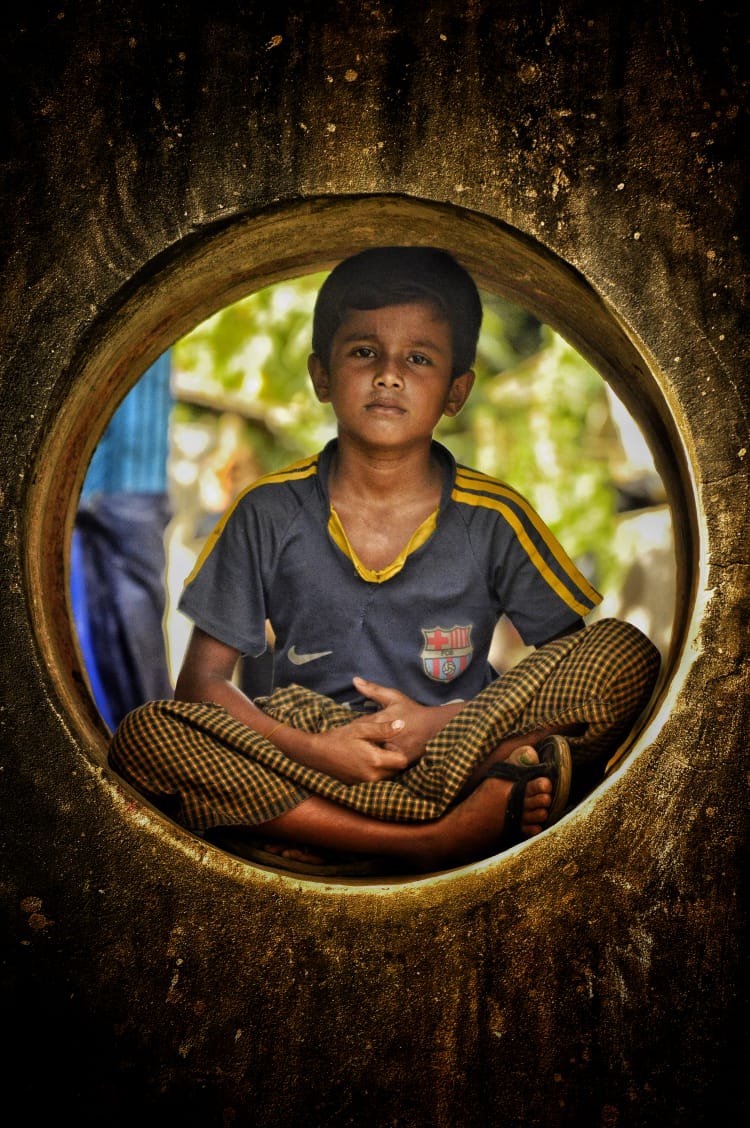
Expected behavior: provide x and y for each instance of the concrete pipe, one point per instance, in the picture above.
(169, 159)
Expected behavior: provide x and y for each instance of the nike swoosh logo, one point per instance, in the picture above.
(300, 659)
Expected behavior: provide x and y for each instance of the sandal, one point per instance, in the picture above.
(555, 764)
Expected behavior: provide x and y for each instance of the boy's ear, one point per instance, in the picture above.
(458, 393)
(319, 377)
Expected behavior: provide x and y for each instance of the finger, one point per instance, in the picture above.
(383, 694)
(381, 721)
(411, 755)
(377, 730)
(392, 762)
(392, 712)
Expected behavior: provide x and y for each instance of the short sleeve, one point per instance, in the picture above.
(536, 583)
(226, 593)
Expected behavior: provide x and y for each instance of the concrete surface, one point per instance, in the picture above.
(166, 157)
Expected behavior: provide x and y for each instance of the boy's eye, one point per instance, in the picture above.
(419, 358)
(363, 350)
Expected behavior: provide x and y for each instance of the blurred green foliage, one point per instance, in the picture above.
(537, 418)
(252, 357)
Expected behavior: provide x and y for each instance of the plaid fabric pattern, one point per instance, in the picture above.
(208, 769)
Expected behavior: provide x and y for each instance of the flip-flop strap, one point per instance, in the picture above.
(520, 775)
(521, 772)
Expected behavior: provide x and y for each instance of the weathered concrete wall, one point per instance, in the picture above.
(590, 978)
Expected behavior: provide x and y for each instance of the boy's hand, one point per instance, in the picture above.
(421, 722)
(359, 752)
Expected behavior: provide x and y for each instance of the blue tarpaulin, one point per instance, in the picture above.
(117, 564)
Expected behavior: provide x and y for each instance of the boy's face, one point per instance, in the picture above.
(389, 377)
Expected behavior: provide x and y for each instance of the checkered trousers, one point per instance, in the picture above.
(198, 763)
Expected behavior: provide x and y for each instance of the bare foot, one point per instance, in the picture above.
(513, 750)
(296, 852)
(538, 798)
(474, 829)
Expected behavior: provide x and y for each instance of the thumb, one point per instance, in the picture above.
(383, 694)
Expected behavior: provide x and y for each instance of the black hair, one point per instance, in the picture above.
(386, 276)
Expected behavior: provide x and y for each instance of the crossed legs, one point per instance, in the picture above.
(213, 772)
(470, 830)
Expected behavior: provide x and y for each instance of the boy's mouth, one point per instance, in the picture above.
(385, 407)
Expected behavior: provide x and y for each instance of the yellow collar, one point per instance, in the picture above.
(417, 539)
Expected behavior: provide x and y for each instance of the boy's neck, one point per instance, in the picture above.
(371, 475)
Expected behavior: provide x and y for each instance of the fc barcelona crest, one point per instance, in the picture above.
(447, 652)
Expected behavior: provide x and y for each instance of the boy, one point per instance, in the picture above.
(381, 557)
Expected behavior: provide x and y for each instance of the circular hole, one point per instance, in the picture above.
(241, 405)
(244, 257)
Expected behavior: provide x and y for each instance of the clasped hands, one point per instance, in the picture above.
(380, 745)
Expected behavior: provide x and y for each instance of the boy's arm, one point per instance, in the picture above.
(351, 753)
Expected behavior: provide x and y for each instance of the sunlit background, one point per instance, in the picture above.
(232, 401)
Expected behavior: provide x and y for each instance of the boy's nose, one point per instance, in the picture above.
(389, 374)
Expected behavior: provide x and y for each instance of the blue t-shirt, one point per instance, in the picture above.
(426, 629)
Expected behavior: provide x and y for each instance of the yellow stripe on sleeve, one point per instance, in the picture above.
(527, 544)
(296, 472)
(471, 479)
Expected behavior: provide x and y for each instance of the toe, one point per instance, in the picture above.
(535, 812)
(537, 800)
(525, 755)
(302, 855)
(540, 815)
(539, 788)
